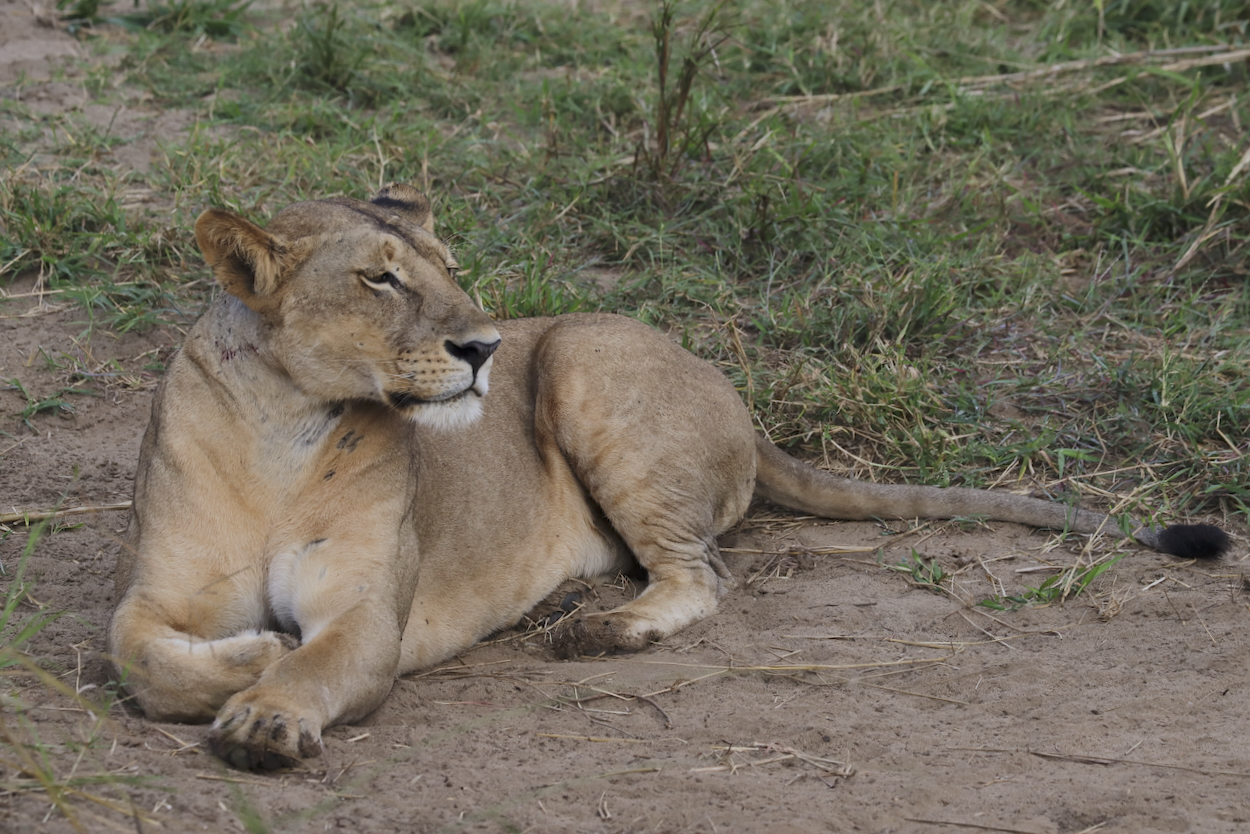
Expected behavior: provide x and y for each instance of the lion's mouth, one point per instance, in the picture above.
(403, 401)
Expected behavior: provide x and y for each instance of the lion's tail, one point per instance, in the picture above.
(790, 483)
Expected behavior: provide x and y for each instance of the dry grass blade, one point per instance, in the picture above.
(976, 825)
(458, 671)
(1149, 57)
(796, 667)
(907, 692)
(1100, 760)
(59, 790)
(27, 764)
(32, 516)
(1104, 760)
(9, 656)
(831, 766)
(815, 551)
(1209, 231)
(982, 84)
(603, 739)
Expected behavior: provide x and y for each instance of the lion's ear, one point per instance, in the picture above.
(407, 202)
(247, 260)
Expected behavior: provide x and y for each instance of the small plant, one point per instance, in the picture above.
(54, 402)
(329, 55)
(922, 574)
(1068, 583)
(16, 631)
(677, 131)
(215, 18)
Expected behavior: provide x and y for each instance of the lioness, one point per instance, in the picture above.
(326, 496)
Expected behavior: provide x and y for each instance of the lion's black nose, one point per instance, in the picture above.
(475, 353)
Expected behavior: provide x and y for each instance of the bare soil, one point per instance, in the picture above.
(828, 694)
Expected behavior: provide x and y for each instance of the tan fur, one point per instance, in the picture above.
(319, 507)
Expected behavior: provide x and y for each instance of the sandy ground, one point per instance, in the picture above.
(828, 694)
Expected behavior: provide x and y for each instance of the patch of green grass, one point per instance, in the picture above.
(950, 242)
(1068, 583)
(82, 243)
(56, 229)
(211, 18)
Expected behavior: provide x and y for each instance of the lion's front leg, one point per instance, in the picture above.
(350, 608)
(342, 674)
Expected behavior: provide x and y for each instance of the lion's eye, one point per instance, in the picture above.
(382, 281)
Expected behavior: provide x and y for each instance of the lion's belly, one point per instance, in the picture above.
(478, 584)
(486, 564)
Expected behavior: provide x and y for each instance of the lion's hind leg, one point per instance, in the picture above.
(663, 445)
(684, 583)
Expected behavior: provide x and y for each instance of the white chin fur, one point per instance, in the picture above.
(448, 416)
(460, 412)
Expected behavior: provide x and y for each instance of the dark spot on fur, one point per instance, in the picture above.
(313, 434)
(350, 441)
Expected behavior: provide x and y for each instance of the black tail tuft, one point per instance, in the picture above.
(1194, 541)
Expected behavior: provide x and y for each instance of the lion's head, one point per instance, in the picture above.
(358, 301)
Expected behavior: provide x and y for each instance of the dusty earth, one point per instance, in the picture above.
(828, 694)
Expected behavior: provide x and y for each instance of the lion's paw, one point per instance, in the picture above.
(251, 735)
(554, 608)
(603, 634)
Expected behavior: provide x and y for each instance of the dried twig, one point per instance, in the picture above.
(797, 667)
(603, 738)
(1100, 760)
(1103, 760)
(976, 825)
(29, 516)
